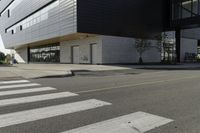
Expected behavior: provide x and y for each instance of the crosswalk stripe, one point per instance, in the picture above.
(138, 122)
(25, 91)
(37, 98)
(18, 85)
(48, 112)
(14, 82)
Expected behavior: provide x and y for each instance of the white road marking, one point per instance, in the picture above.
(14, 82)
(48, 112)
(25, 91)
(37, 98)
(18, 86)
(138, 122)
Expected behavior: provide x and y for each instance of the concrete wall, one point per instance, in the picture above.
(188, 46)
(118, 50)
(21, 55)
(152, 55)
(84, 46)
(110, 50)
(191, 33)
(122, 50)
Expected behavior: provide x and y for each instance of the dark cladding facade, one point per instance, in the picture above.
(132, 18)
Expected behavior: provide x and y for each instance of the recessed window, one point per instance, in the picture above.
(12, 31)
(21, 28)
(8, 13)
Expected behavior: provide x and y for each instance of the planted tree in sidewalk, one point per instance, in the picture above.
(165, 45)
(2, 57)
(141, 46)
(160, 45)
(8, 59)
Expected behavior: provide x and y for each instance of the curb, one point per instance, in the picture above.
(68, 74)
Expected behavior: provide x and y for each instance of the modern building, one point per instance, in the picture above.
(95, 31)
(185, 16)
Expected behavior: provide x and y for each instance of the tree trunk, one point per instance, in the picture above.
(140, 59)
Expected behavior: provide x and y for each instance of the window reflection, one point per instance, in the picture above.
(185, 8)
(49, 54)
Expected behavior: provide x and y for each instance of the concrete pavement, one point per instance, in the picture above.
(45, 70)
(154, 102)
(52, 70)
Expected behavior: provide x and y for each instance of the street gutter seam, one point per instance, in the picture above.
(133, 85)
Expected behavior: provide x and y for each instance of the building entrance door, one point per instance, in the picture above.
(75, 55)
(94, 55)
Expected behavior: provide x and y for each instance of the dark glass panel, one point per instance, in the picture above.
(47, 53)
(185, 9)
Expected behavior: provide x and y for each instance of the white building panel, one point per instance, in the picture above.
(40, 20)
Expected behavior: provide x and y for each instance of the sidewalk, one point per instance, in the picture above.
(185, 66)
(17, 71)
(48, 70)
(69, 67)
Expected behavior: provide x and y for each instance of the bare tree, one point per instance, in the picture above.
(159, 45)
(141, 46)
(161, 41)
(8, 59)
(164, 45)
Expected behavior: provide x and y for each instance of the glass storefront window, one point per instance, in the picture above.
(185, 8)
(48, 54)
(195, 7)
(176, 7)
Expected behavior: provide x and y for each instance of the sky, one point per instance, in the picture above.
(2, 48)
(1, 44)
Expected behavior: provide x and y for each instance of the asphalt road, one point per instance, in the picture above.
(170, 94)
